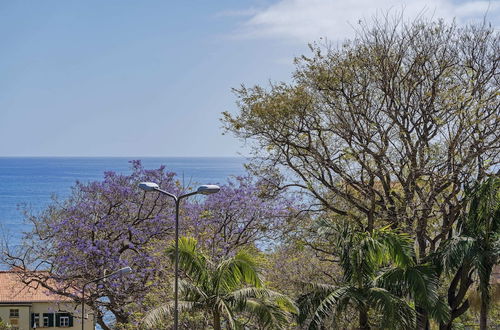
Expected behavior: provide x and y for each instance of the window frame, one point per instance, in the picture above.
(36, 320)
(14, 315)
(46, 324)
(62, 320)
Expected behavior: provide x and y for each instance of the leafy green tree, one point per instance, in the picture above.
(223, 290)
(386, 128)
(476, 248)
(379, 273)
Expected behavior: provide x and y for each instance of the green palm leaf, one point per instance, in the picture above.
(268, 314)
(395, 311)
(193, 263)
(380, 273)
(233, 272)
(220, 290)
(163, 312)
(326, 301)
(223, 308)
(418, 282)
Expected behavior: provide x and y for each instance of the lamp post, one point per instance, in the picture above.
(118, 272)
(204, 190)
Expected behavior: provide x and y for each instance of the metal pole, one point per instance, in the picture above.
(176, 286)
(205, 190)
(83, 306)
(177, 200)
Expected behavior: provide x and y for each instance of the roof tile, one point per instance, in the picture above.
(12, 290)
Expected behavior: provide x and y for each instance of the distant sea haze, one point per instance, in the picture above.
(34, 180)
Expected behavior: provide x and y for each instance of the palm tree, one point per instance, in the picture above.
(379, 273)
(476, 248)
(223, 289)
(482, 223)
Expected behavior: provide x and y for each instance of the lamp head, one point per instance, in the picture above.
(149, 186)
(124, 270)
(208, 189)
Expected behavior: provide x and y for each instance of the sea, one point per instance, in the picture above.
(32, 181)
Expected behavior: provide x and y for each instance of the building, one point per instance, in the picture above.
(26, 308)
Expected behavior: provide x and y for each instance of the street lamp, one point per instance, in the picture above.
(204, 190)
(121, 271)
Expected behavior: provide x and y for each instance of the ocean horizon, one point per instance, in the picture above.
(33, 181)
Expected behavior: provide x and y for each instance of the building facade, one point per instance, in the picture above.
(26, 308)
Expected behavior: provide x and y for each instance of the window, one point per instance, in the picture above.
(36, 320)
(64, 321)
(46, 321)
(14, 313)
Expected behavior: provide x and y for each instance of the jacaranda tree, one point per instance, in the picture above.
(242, 214)
(106, 225)
(103, 226)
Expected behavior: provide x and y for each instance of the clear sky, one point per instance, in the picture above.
(150, 78)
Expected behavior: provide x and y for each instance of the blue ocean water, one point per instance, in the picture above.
(33, 181)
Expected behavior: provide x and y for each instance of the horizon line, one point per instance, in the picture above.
(129, 157)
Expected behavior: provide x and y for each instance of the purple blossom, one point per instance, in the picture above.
(109, 224)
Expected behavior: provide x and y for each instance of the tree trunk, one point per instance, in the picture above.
(483, 317)
(217, 325)
(363, 320)
(447, 326)
(121, 317)
(456, 295)
(103, 324)
(454, 314)
(484, 284)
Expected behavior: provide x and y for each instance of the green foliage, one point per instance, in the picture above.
(476, 247)
(380, 274)
(388, 129)
(230, 289)
(4, 326)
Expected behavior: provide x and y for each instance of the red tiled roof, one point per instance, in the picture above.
(12, 290)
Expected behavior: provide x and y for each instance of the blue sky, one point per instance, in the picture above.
(150, 78)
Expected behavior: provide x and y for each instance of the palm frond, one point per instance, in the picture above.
(398, 246)
(239, 298)
(419, 282)
(226, 311)
(364, 259)
(395, 311)
(440, 311)
(452, 254)
(191, 261)
(163, 312)
(483, 208)
(192, 292)
(267, 313)
(483, 262)
(372, 250)
(234, 272)
(318, 305)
